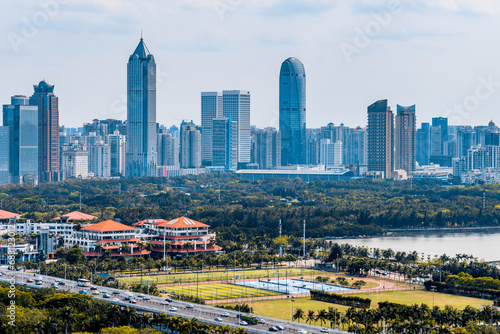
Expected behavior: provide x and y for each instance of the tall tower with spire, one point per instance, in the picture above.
(141, 154)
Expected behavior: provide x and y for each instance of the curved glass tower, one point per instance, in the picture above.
(293, 112)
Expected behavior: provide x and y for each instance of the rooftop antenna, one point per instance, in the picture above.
(141, 34)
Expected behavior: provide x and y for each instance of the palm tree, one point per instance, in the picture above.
(145, 319)
(332, 316)
(98, 248)
(298, 314)
(114, 314)
(310, 317)
(124, 248)
(67, 317)
(130, 314)
(321, 316)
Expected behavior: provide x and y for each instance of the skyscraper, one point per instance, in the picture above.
(48, 131)
(293, 112)
(380, 138)
(224, 150)
(266, 148)
(117, 144)
(423, 144)
(236, 103)
(443, 123)
(22, 119)
(141, 153)
(406, 141)
(211, 108)
(190, 146)
(4, 154)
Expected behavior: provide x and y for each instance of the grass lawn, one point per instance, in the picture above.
(221, 276)
(218, 291)
(275, 308)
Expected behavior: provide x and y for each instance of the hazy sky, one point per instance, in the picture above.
(442, 55)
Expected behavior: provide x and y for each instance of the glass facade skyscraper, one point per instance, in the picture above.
(236, 103)
(293, 112)
(4, 155)
(211, 108)
(405, 138)
(48, 131)
(22, 119)
(141, 152)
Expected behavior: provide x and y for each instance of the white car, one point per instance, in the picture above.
(324, 330)
(165, 302)
(173, 309)
(302, 331)
(218, 319)
(189, 306)
(243, 323)
(224, 314)
(116, 299)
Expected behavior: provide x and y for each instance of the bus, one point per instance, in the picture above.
(250, 319)
(83, 282)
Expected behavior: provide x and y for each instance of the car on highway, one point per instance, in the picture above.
(93, 288)
(132, 301)
(95, 292)
(262, 321)
(273, 329)
(224, 314)
(38, 282)
(62, 283)
(102, 291)
(82, 292)
(29, 281)
(106, 296)
(146, 298)
(281, 328)
(218, 319)
(116, 292)
(165, 302)
(116, 299)
(243, 323)
(302, 331)
(173, 309)
(324, 330)
(168, 300)
(189, 306)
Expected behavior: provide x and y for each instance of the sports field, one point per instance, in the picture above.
(275, 308)
(218, 291)
(222, 276)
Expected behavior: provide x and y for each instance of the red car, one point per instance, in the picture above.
(29, 281)
(133, 301)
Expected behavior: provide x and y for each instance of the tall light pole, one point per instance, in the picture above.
(433, 289)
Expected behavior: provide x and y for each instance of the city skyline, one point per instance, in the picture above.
(76, 38)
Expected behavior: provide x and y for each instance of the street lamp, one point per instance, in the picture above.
(433, 289)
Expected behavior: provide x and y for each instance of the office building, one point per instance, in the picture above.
(117, 144)
(48, 131)
(22, 120)
(380, 138)
(356, 148)
(405, 139)
(4, 154)
(292, 112)
(224, 143)
(75, 161)
(236, 103)
(442, 122)
(100, 159)
(423, 144)
(211, 108)
(141, 152)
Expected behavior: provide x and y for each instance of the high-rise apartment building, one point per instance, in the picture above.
(100, 159)
(330, 153)
(211, 108)
(442, 122)
(141, 153)
(190, 146)
(266, 149)
(356, 148)
(168, 149)
(48, 131)
(423, 144)
(405, 138)
(380, 138)
(75, 161)
(292, 112)
(22, 119)
(236, 103)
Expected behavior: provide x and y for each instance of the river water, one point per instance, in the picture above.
(484, 246)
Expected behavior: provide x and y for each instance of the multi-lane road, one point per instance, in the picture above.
(154, 304)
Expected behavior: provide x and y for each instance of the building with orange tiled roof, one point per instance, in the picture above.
(4, 215)
(119, 238)
(182, 235)
(75, 216)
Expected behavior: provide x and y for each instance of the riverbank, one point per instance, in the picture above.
(441, 230)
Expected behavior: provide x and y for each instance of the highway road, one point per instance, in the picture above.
(154, 304)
